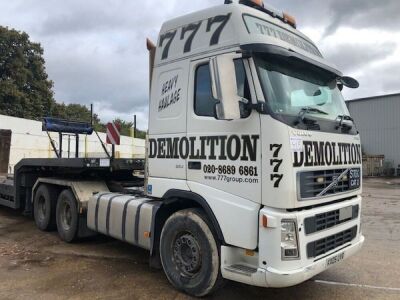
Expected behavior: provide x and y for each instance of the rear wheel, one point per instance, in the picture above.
(44, 207)
(67, 216)
(189, 253)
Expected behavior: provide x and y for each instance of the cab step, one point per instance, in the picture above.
(241, 269)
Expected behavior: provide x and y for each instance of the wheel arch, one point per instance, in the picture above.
(82, 190)
(194, 200)
(173, 201)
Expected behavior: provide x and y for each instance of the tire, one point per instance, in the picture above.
(44, 207)
(189, 253)
(67, 216)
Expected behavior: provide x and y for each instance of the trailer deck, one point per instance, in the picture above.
(16, 189)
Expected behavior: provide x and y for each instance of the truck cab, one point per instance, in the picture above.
(247, 118)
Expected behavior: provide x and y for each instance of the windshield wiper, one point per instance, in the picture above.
(308, 110)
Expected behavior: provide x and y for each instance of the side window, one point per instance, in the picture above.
(241, 80)
(243, 89)
(204, 102)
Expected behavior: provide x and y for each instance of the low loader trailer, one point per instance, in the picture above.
(253, 165)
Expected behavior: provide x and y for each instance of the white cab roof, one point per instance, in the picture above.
(226, 26)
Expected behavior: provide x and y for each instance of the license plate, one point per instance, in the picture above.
(345, 213)
(354, 179)
(334, 259)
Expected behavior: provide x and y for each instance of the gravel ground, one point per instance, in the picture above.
(37, 265)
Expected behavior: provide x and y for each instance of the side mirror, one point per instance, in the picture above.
(349, 82)
(224, 88)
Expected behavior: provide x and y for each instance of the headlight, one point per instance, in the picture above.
(289, 245)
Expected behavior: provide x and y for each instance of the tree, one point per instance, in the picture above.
(73, 112)
(127, 127)
(25, 90)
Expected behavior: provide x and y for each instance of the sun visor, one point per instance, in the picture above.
(254, 49)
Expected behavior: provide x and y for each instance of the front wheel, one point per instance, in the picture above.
(189, 253)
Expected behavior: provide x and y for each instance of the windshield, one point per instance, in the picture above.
(292, 87)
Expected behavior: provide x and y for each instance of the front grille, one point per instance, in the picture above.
(313, 183)
(331, 242)
(328, 219)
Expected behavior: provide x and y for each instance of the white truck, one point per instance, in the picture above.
(253, 164)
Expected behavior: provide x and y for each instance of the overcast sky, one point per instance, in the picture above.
(95, 49)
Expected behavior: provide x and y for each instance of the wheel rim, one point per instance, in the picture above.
(41, 208)
(66, 216)
(187, 255)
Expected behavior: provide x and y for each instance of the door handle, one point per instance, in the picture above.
(194, 165)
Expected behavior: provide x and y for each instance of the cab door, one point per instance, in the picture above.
(224, 155)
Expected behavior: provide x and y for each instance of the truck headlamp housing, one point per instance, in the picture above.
(289, 243)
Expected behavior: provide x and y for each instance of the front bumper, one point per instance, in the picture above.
(274, 278)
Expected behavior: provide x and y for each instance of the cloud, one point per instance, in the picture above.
(351, 57)
(388, 79)
(334, 14)
(94, 70)
(377, 78)
(345, 12)
(364, 14)
(107, 112)
(95, 49)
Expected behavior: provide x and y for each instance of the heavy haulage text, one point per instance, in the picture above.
(170, 93)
